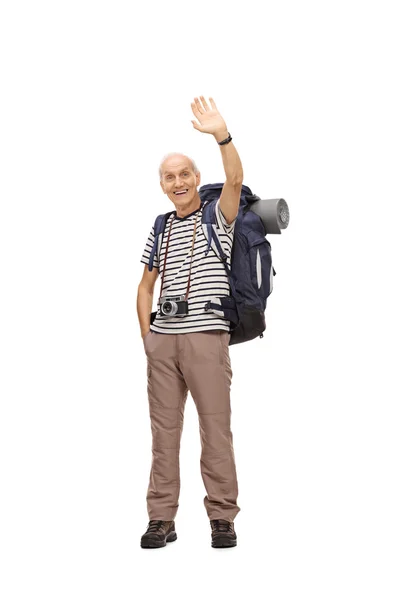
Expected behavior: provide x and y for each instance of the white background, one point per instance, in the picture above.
(93, 95)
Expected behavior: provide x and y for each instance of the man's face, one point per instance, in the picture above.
(179, 181)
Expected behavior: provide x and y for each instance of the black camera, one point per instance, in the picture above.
(173, 306)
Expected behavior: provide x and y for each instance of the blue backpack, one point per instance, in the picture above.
(251, 273)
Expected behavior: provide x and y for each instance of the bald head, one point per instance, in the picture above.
(174, 159)
(179, 179)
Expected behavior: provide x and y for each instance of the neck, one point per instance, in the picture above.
(189, 208)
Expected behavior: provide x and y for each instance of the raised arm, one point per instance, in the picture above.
(211, 121)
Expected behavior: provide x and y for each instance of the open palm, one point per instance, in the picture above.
(210, 120)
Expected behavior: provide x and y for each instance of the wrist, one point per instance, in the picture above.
(221, 135)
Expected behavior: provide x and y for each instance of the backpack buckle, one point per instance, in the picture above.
(207, 305)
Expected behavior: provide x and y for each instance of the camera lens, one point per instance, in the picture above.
(167, 307)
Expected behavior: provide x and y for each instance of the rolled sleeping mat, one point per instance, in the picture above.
(274, 213)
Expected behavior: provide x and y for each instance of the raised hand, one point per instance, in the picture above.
(210, 120)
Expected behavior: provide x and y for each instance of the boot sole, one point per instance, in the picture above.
(223, 543)
(171, 537)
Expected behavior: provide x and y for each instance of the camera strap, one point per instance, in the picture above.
(166, 255)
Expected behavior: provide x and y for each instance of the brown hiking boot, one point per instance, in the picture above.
(158, 534)
(222, 534)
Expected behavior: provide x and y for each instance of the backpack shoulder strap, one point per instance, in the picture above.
(209, 195)
(159, 228)
(209, 226)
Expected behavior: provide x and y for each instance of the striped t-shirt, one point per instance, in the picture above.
(208, 277)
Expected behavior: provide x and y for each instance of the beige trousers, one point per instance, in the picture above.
(200, 363)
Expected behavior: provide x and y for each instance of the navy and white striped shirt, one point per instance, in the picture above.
(208, 276)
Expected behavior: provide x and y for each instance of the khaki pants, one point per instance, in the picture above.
(198, 362)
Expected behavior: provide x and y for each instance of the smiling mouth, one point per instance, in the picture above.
(180, 193)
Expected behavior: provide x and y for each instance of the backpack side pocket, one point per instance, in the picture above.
(261, 270)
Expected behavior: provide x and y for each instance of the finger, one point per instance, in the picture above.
(204, 101)
(196, 126)
(213, 105)
(195, 110)
(199, 106)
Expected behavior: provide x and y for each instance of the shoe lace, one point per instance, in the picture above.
(155, 526)
(223, 526)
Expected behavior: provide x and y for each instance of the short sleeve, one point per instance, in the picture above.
(222, 223)
(146, 253)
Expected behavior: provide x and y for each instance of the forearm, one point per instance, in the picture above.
(144, 306)
(232, 163)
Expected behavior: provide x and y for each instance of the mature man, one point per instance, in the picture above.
(189, 351)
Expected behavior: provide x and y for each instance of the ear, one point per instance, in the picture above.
(162, 187)
(198, 177)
